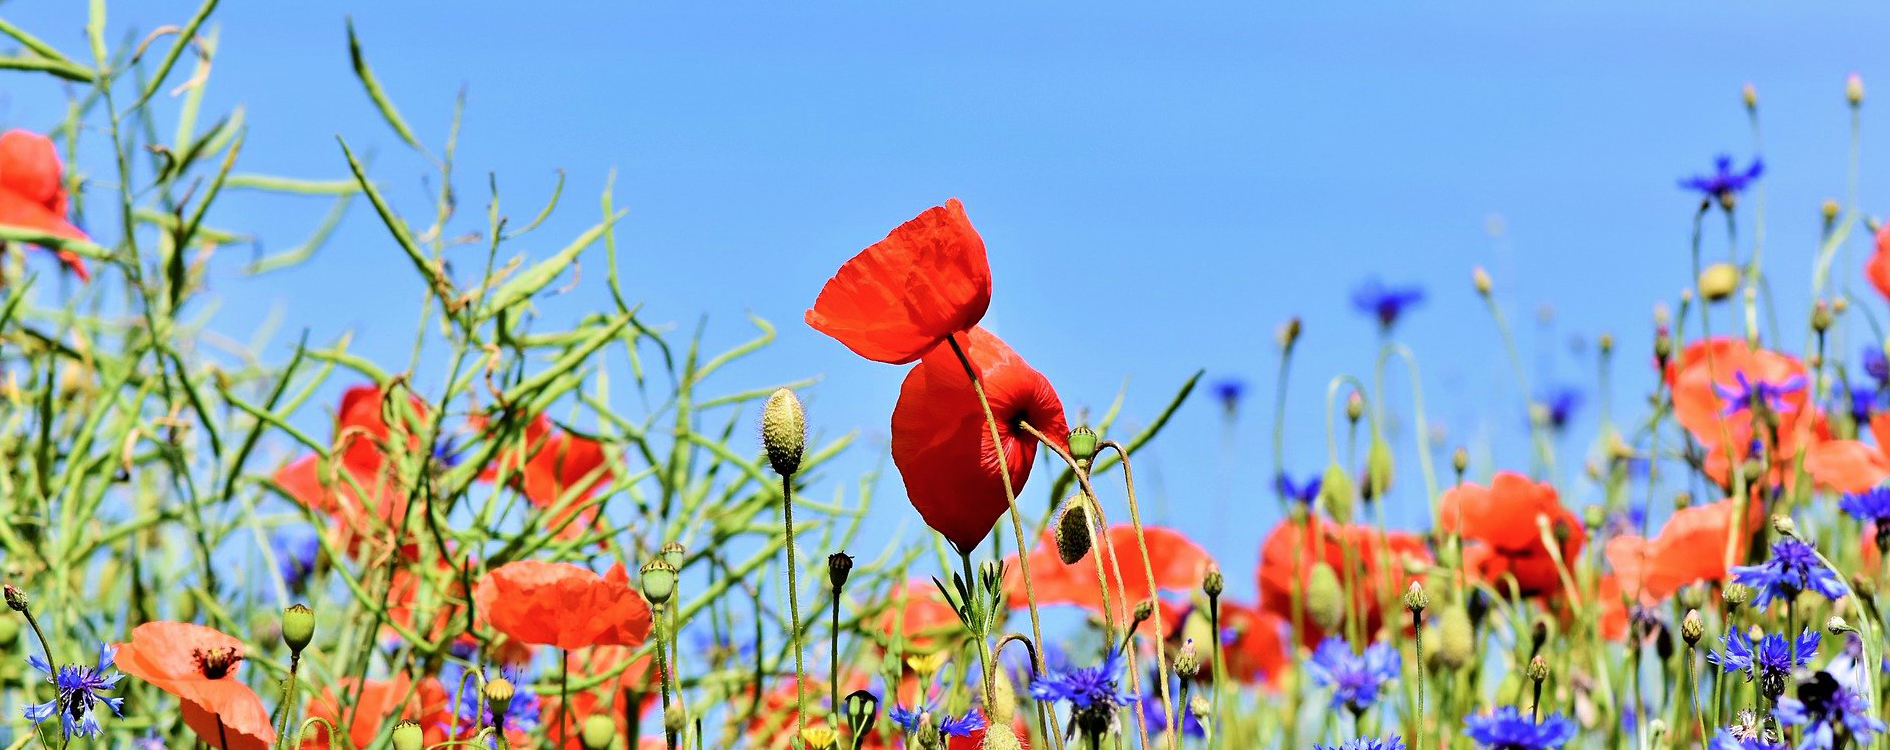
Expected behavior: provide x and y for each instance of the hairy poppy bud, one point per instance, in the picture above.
(819, 737)
(409, 736)
(1004, 698)
(1378, 467)
(1213, 583)
(1718, 282)
(1143, 610)
(1000, 736)
(839, 566)
(1456, 638)
(16, 599)
(298, 627)
(1481, 280)
(598, 732)
(1415, 599)
(499, 693)
(1073, 530)
(1187, 662)
(675, 719)
(1325, 597)
(673, 553)
(1082, 442)
(1692, 628)
(1336, 493)
(784, 431)
(1836, 625)
(1289, 332)
(659, 581)
(1538, 668)
(1854, 89)
(1750, 96)
(1460, 460)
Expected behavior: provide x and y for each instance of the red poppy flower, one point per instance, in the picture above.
(1689, 549)
(902, 296)
(1257, 653)
(31, 193)
(1293, 549)
(1614, 612)
(916, 612)
(554, 465)
(1852, 466)
(942, 445)
(1712, 382)
(376, 701)
(1878, 267)
(1179, 565)
(362, 439)
(199, 666)
(975, 740)
(1503, 518)
(563, 605)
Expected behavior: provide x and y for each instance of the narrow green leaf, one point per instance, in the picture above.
(435, 280)
(374, 92)
(63, 70)
(277, 184)
(33, 43)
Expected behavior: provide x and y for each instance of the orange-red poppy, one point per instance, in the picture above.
(1257, 651)
(555, 465)
(1179, 565)
(199, 665)
(1852, 466)
(1502, 517)
(942, 444)
(1689, 549)
(563, 606)
(32, 194)
(916, 612)
(1293, 549)
(363, 439)
(902, 296)
(1613, 620)
(1877, 269)
(1707, 381)
(375, 702)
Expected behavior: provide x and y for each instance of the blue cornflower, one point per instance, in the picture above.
(1509, 729)
(1793, 567)
(446, 454)
(1752, 393)
(1229, 391)
(150, 741)
(1304, 493)
(79, 689)
(1870, 505)
(1770, 661)
(1393, 742)
(1725, 182)
(296, 552)
(1157, 718)
(1385, 302)
(910, 720)
(522, 714)
(1876, 365)
(1824, 707)
(1727, 741)
(720, 650)
(1859, 401)
(1091, 691)
(1559, 405)
(1355, 679)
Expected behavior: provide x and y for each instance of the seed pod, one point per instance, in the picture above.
(839, 566)
(598, 733)
(1082, 443)
(1004, 698)
(659, 581)
(784, 431)
(1460, 460)
(499, 692)
(409, 736)
(1354, 406)
(1325, 598)
(675, 719)
(673, 553)
(298, 627)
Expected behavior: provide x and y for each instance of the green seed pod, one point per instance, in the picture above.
(1593, 517)
(1337, 494)
(598, 733)
(298, 627)
(784, 431)
(1378, 467)
(1082, 444)
(673, 553)
(1718, 282)
(659, 581)
(1456, 639)
(499, 692)
(1821, 317)
(1073, 530)
(1325, 597)
(409, 736)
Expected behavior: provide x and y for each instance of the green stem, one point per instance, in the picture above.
(794, 611)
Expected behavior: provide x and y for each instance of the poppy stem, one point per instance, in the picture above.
(1148, 570)
(794, 610)
(564, 698)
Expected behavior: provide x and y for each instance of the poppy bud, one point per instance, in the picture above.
(1736, 594)
(1663, 348)
(1854, 89)
(1354, 406)
(784, 431)
(1784, 525)
(1538, 668)
(1289, 332)
(16, 599)
(598, 732)
(675, 719)
(1187, 662)
(839, 566)
(1213, 583)
(1143, 610)
(1378, 467)
(819, 737)
(1836, 625)
(1593, 516)
(1718, 282)
(298, 627)
(1336, 493)
(1460, 460)
(1073, 530)
(1605, 344)
(499, 693)
(1750, 95)
(1000, 736)
(1415, 599)
(1082, 442)
(1692, 628)
(1820, 317)
(1325, 597)
(409, 736)
(1481, 280)
(1004, 698)
(673, 553)
(659, 581)
(1828, 211)
(1456, 638)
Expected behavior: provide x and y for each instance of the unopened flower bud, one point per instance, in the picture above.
(675, 719)
(1325, 597)
(1456, 638)
(819, 737)
(1820, 317)
(1289, 332)
(1004, 698)
(673, 553)
(1663, 347)
(598, 732)
(1836, 625)
(1605, 343)
(1538, 668)
(1718, 282)
(1593, 517)
(1336, 494)
(839, 566)
(659, 581)
(409, 736)
(1143, 610)
(1854, 89)
(1000, 736)
(1082, 442)
(1074, 530)
(1828, 211)
(1736, 594)
(1198, 706)
(1213, 583)
(298, 627)
(1354, 406)
(1750, 96)
(1378, 467)
(784, 431)
(1692, 628)
(498, 692)
(1187, 662)
(928, 734)
(1538, 634)
(16, 599)
(1785, 526)
(1415, 599)
(1460, 459)
(1481, 280)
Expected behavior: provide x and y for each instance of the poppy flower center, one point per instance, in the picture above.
(216, 663)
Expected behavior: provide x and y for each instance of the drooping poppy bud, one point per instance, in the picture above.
(1336, 493)
(901, 297)
(1073, 530)
(1003, 706)
(784, 431)
(1000, 736)
(1378, 467)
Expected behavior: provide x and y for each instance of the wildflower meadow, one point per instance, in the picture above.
(534, 526)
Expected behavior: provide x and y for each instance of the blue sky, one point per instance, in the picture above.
(1160, 185)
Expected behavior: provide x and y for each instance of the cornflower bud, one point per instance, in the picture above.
(1750, 95)
(16, 599)
(1213, 583)
(409, 736)
(1289, 332)
(1143, 610)
(1415, 599)
(1605, 343)
(1198, 705)
(1718, 282)
(1460, 460)
(598, 732)
(1073, 530)
(673, 553)
(1354, 406)
(1325, 597)
(1082, 442)
(784, 431)
(659, 581)
(1785, 526)
(1820, 317)
(1481, 280)
(1836, 625)
(1538, 668)
(1854, 89)
(298, 627)
(1692, 628)
(839, 566)
(1187, 662)
(1736, 594)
